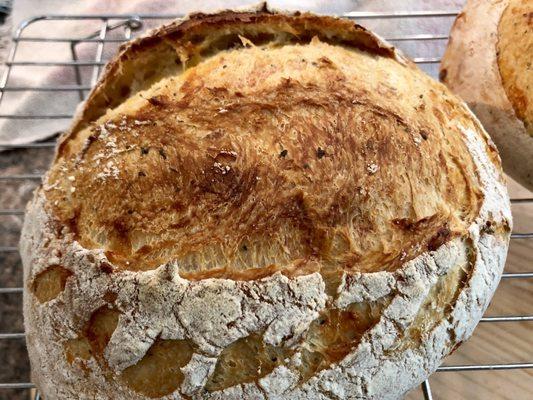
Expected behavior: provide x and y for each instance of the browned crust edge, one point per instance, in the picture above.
(341, 31)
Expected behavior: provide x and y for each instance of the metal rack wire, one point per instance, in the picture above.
(115, 29)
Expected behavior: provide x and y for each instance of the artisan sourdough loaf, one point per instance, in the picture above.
(257, 205)
(489, 63)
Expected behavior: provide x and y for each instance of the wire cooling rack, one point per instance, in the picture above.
(109, 32)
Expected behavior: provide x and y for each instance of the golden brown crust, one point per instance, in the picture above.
(275, 155)
(515, 58)
(49, 283)
(184, 42)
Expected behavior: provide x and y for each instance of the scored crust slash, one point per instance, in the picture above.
(261, 205)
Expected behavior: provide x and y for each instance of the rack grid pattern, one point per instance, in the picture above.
(127, 26)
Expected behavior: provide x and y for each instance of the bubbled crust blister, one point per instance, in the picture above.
(317, 218)
(487, 63)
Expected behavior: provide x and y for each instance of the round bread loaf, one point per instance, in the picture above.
(488, 63)
(255, 205)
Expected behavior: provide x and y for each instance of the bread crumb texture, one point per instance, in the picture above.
(515, 58)
(261, 206)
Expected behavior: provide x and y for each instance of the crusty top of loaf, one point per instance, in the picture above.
(285, 147)
(245, 143)
(515, 58)
(143, 61)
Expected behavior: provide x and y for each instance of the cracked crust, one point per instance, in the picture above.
(295, 327)
(488, 63)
